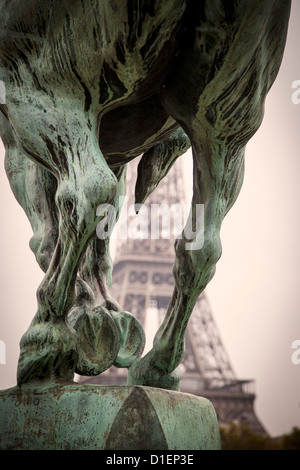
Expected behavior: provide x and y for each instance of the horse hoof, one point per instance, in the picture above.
(98, 340)
(144, 372)
(48, 352)
(132, 338)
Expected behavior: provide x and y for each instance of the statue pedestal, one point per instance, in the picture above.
(93, 417)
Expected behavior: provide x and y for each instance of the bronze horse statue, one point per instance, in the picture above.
(91, 85)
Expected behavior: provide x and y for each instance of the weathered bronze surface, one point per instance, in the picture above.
(90, 85)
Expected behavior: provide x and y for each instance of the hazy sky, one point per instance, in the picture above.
(255, 293)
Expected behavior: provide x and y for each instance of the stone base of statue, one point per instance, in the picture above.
(93, 417)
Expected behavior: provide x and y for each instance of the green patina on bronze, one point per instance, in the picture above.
(79, 417)
(91, 85)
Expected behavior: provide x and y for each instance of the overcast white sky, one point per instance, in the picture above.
(255, 293)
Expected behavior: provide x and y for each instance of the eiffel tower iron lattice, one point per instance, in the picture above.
(142, 283)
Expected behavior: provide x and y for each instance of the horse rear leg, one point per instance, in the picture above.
(49, 349)
(215, 190)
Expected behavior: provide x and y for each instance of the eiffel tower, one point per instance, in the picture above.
(142, 283)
